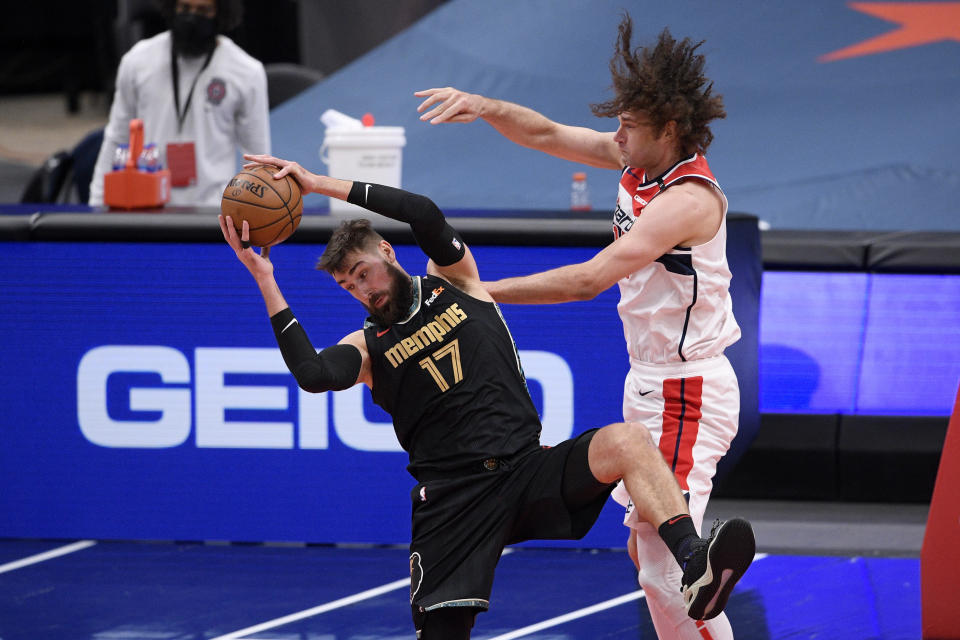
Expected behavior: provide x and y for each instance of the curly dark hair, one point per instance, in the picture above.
(229, 13)
(664, 82)
(350, 236)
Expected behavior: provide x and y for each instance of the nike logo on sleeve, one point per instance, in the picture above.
(366, 194)
(289, 324)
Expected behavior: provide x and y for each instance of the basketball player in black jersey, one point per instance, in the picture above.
(438, 357)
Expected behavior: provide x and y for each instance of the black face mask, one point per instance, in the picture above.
(194, 35)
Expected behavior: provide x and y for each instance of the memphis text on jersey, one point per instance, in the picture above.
(433, 331)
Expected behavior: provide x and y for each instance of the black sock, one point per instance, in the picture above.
(678, 533)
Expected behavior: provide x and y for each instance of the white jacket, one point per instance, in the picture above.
(229, 109)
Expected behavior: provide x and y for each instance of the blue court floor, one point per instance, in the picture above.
(79, 590)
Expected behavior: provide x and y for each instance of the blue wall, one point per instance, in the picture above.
(866, 142)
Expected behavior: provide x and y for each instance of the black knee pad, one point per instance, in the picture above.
(444, 623)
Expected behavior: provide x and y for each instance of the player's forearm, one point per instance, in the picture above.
(436, 237)
(531, 129)
(327, 186)
(334, 368)
(564, 284)
(520, 124)
(272, 296)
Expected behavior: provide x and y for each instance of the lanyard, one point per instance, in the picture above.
(176, 86)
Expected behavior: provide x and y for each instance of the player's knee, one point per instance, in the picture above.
(627, 440)
(639, 434)
(617, 448)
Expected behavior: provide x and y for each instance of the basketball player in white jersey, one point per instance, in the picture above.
(669, 258)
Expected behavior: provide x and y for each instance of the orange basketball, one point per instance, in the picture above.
(271, 207)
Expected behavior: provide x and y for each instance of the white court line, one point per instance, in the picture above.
(573, 615)
(47, 555)
(306, 613)
(582, 613)
(323, 608)
(405, 582)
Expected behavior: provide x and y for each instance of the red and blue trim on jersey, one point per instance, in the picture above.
(682, 402)
(643, 189)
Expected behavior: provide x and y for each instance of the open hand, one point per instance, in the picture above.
(308, 181)
(449, 105)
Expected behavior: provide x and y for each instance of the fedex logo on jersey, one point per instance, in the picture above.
(436, 292)
(135, 396)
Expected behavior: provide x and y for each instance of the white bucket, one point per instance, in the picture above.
(370, 154)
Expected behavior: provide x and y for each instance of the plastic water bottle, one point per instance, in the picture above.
(120, 155)
(579, 194)
(149, 160)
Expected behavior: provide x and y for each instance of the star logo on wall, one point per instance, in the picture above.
(920, 23)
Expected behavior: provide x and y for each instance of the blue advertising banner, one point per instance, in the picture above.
(144, 396)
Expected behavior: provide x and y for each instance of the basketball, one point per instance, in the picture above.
(272, 208)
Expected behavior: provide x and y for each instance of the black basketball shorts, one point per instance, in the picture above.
(461, 524)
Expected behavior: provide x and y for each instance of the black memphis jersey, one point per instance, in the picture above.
(451, 378)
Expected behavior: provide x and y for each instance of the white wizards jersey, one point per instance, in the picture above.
(678, 307)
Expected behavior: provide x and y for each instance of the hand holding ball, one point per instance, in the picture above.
(271, 207)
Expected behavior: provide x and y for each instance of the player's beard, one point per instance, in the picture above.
(399, 299)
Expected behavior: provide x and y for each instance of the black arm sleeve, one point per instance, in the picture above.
(332, 369)
(436, 237)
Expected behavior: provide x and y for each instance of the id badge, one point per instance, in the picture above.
(182, 161)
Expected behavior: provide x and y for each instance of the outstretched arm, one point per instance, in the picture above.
(449, 255)
(522, 125)
(338, 367)
(684, 215)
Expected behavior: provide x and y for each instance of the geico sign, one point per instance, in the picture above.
(212, 397)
